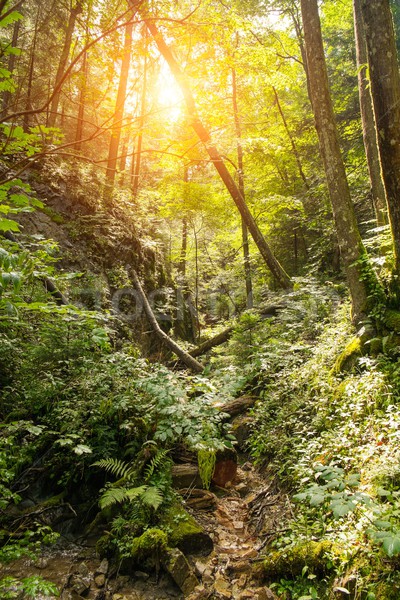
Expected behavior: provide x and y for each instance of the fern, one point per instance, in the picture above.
(156, 462)
(116, 467)
(152, 497)
(117, 495)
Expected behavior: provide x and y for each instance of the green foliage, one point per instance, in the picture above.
(206, 460)
(29, 587)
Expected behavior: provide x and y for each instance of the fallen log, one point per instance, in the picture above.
(187, 360)
(217, 340)
(237, 406)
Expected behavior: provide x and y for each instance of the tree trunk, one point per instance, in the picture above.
(82, 97)
(281, 277)
(291, 139)
(28, 104)
(188, 360)
(385, 87)
(118, 113)
(11, 64)
(368, 120)
(138, 158)
(351, 247)
(245, 236)
(63, 62)
(217, 340)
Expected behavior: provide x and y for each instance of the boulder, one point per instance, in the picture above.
(185, 533)
(176, 564)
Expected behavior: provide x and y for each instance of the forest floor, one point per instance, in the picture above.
(240, 521)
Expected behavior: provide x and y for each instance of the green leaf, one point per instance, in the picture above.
(8, 225)
(82, 449)
(317, 499)
(391, 545)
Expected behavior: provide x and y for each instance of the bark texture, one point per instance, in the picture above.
(385, 87)
(368, 120)
(63, 63)
(349, 239)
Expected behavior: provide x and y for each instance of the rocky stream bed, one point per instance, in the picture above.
(239, 520)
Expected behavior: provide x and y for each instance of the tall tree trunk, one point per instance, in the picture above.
(368, 120)
(138, 157)
(291, 139)
(385, 87)
(31, 70)
(63, 62)
(281, 277)
(82, 97)
(11, 64)
(245, 236)
(119, 110)
(351, 247)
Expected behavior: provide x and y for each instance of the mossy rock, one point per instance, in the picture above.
(347, 360)
(291, 561)
(184, 532)
(151, 543)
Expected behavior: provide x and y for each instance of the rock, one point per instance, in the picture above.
(83, 570)
(185, 533)
(141, 575)
(221, 587)
(186, 476)
(199, 568)
(79, 584)
(176, 564)
(100, 580)
(103, 567)
(264, 594)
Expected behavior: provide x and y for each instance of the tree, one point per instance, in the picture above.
(74, 12)
(385, 87)
(368, 120)
(119, 109)
(351, 247)
(281, 277)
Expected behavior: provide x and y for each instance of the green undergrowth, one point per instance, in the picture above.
(331, 436)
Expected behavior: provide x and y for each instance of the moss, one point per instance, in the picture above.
(317, 556)
(54, 216)
(150, 543)
(348, 358)
(391, 320)
(184, 532)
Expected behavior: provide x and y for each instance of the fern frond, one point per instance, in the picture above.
(133, 493)
(152, 497)
(156, 462)
(112, 496)
(115, 466)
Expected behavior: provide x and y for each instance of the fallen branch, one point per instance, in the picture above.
(186, 358)
(217, 340)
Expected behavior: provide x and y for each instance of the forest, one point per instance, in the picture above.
(200, 299)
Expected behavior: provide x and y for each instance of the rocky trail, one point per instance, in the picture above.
(239, 520)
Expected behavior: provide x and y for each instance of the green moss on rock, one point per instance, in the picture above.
(184, 532)
(316, 556)
(348, 358)
(151, 543)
